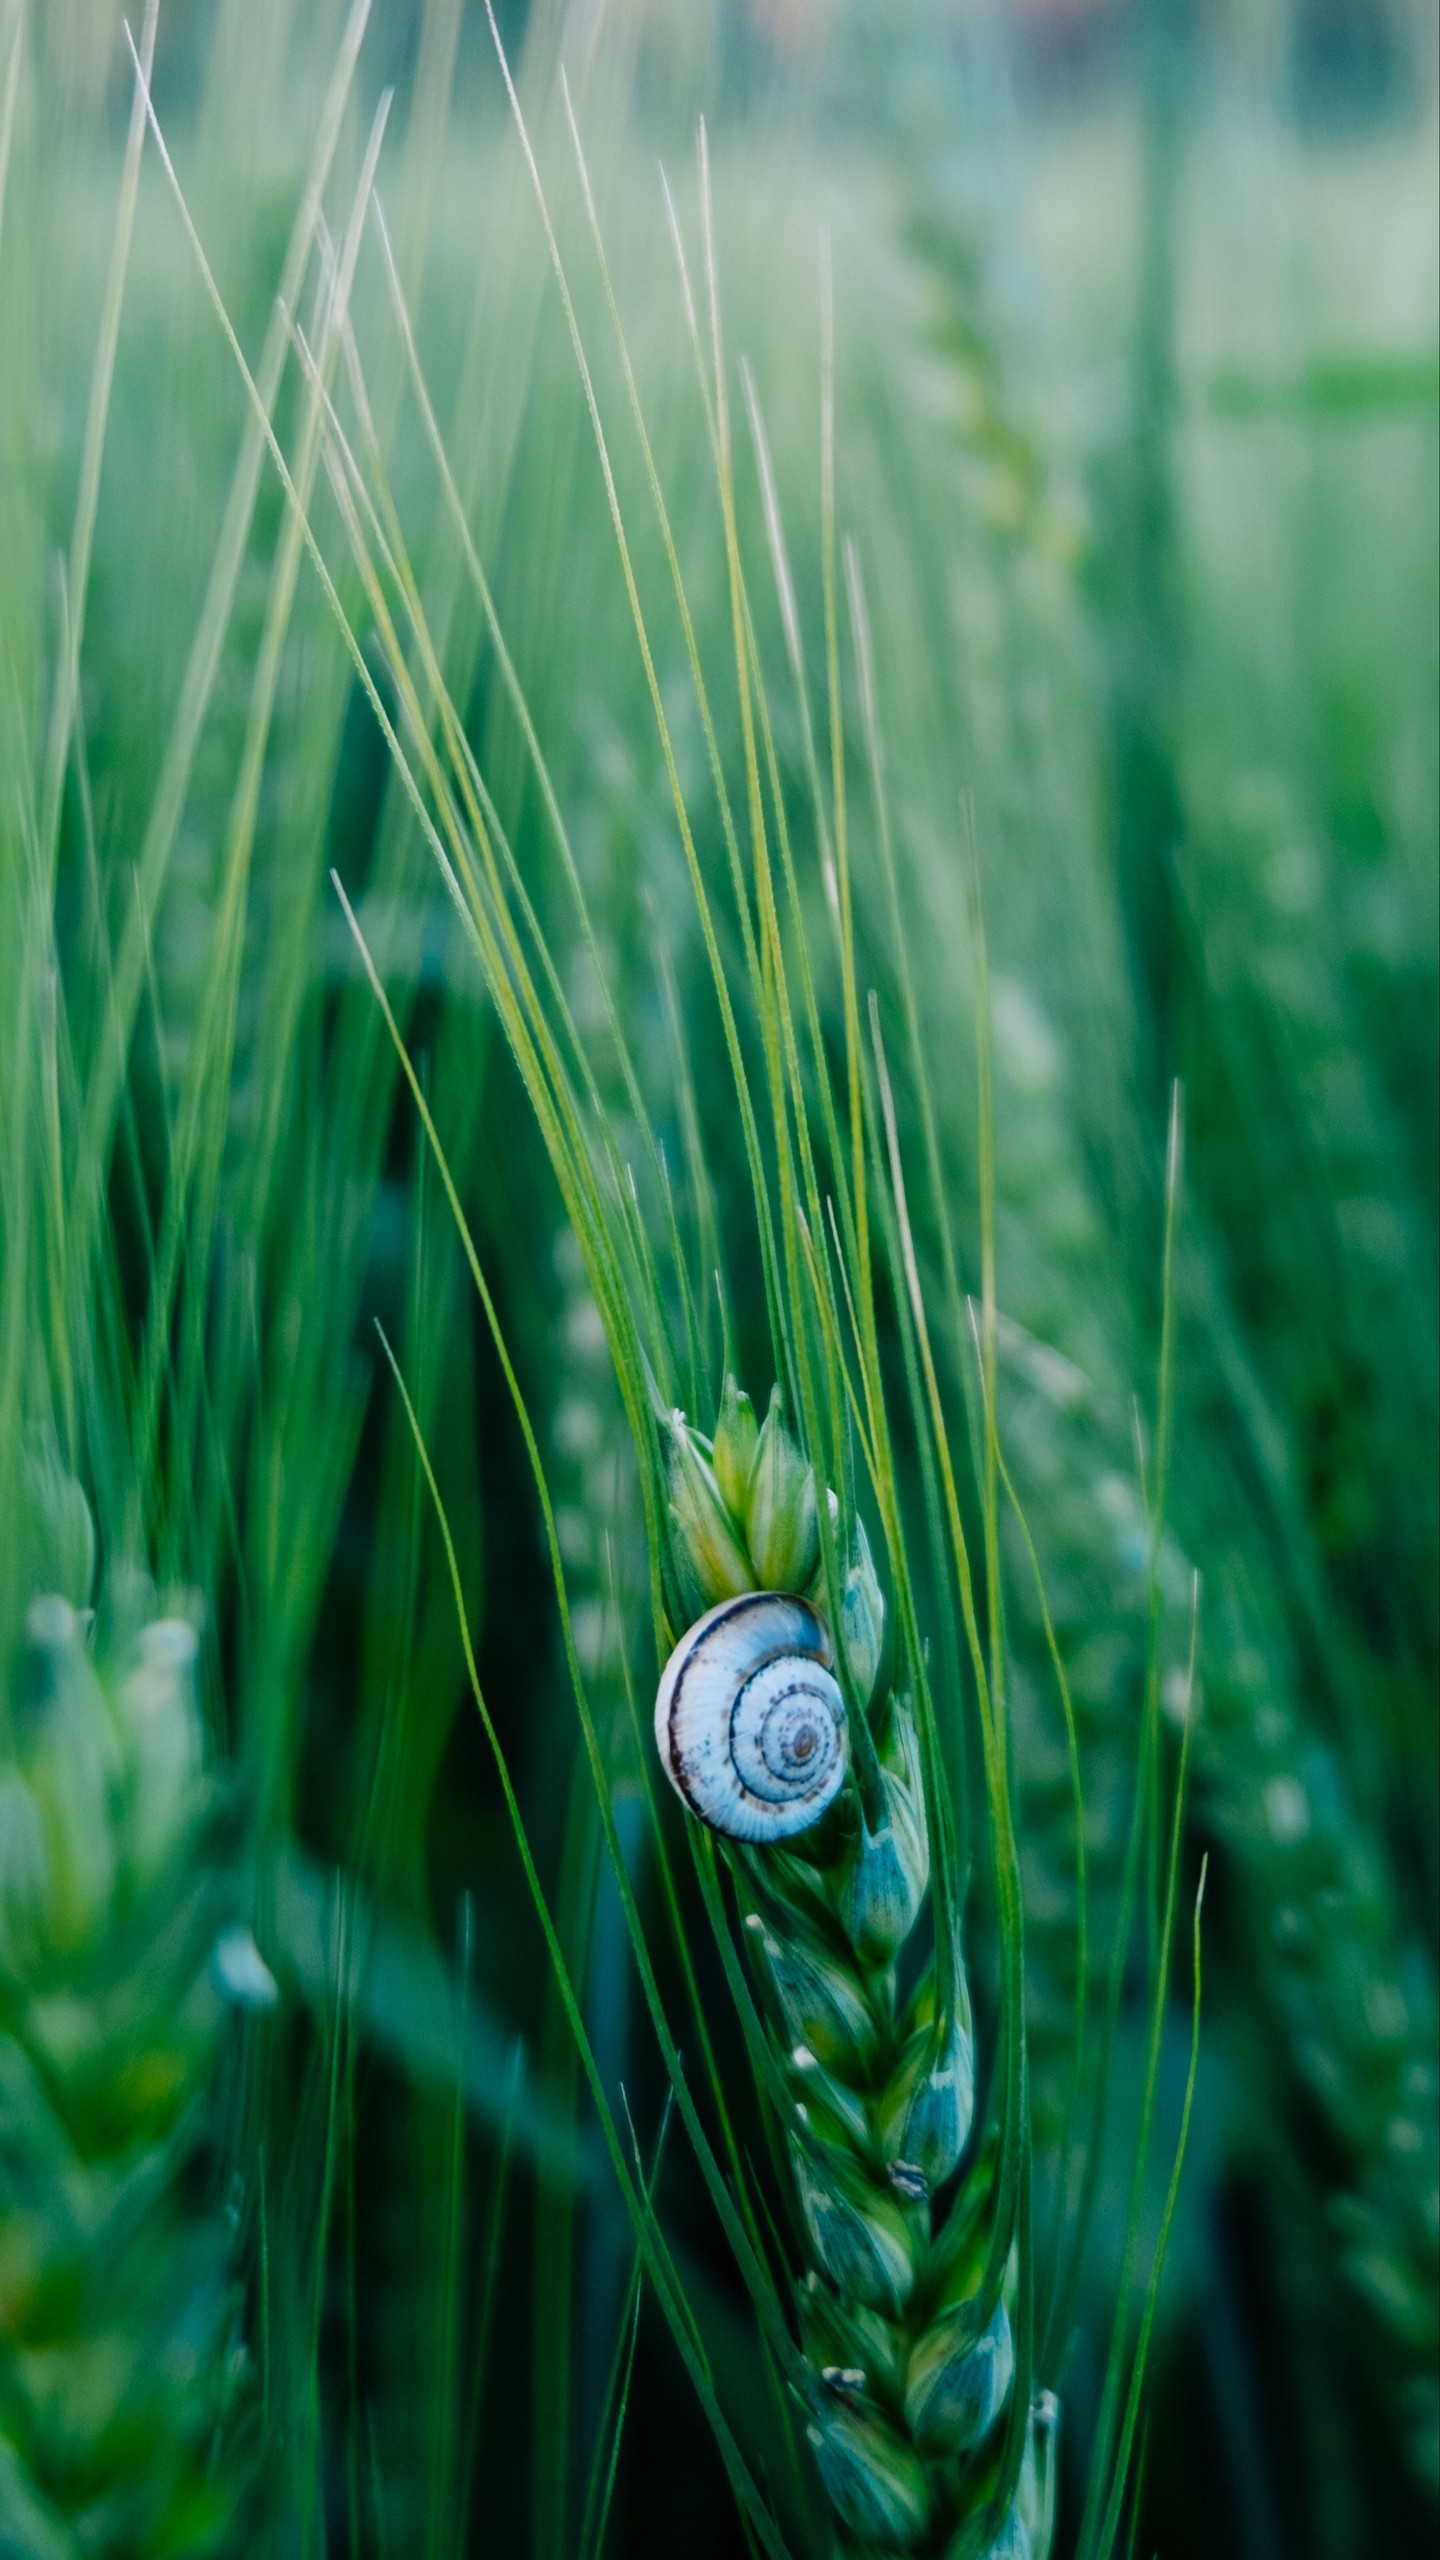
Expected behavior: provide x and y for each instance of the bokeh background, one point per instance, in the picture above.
(1137, 402)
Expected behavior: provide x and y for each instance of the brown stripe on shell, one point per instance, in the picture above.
(821, 1653)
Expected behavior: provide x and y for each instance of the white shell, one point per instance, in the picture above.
(749, 1719)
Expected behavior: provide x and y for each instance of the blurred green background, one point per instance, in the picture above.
(1137, 402)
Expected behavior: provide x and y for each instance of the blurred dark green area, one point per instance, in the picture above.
(1137, 441)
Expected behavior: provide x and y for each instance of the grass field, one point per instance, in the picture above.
(631, 751)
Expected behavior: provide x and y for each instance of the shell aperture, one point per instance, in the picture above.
(749, 1717)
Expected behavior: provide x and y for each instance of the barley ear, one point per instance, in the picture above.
(909, 2365)
(120, 1954)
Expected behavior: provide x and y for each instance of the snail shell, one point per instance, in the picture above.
(749, 1717)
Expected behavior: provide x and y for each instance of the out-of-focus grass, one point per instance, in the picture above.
(1253, 710)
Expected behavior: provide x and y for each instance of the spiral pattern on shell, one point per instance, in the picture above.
(749, 1718)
